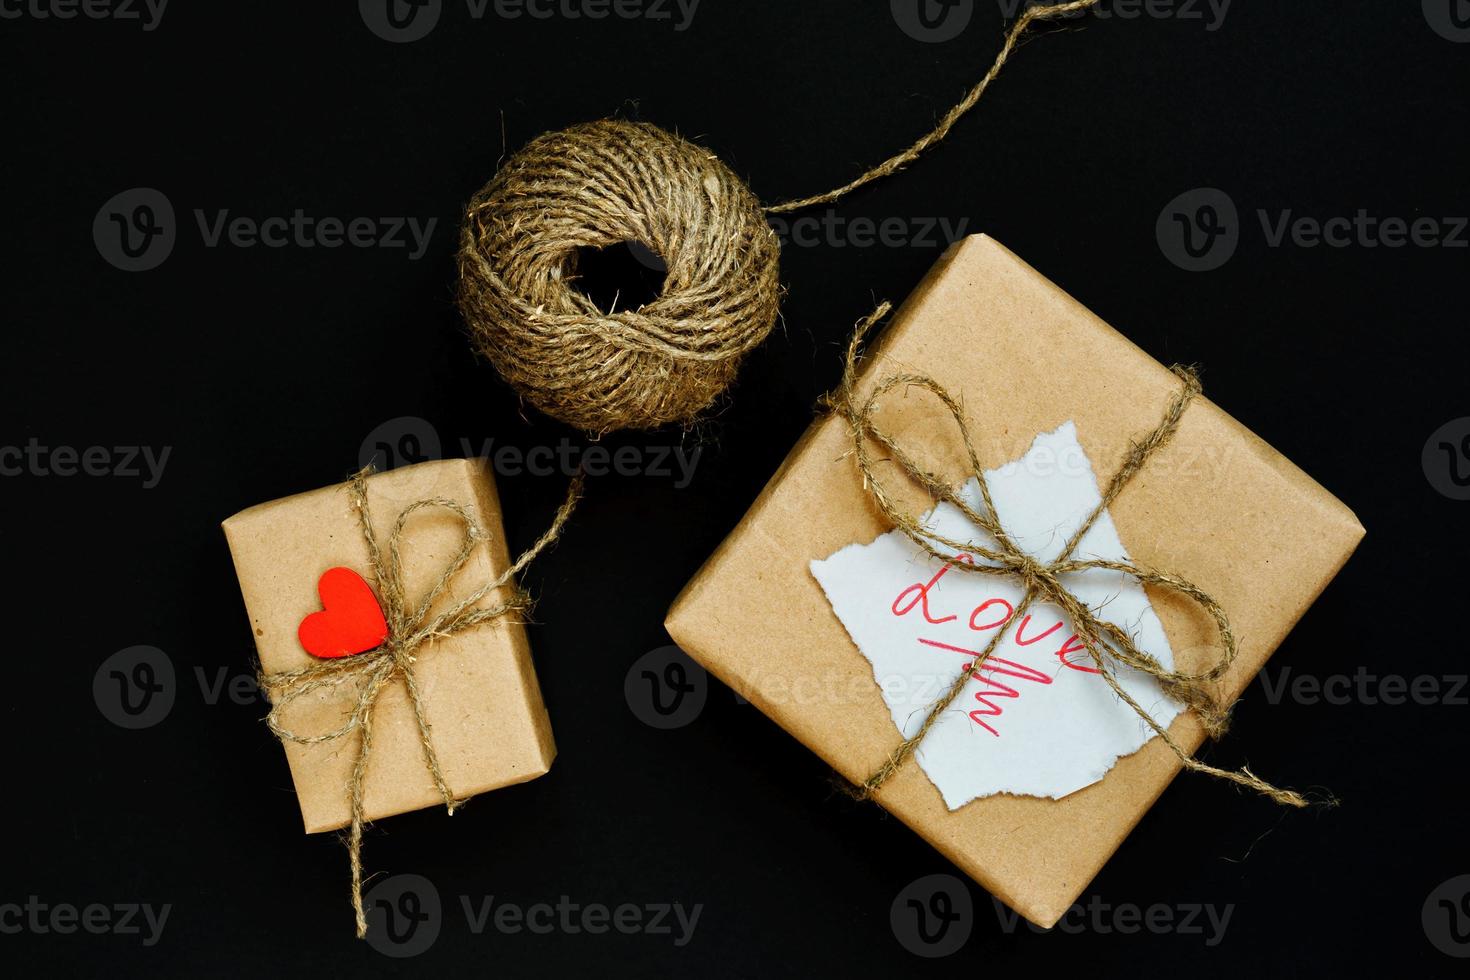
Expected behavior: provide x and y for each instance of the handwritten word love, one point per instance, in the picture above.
(987, 616)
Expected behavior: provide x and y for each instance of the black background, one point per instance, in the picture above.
(265, 368)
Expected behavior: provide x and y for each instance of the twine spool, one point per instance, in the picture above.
(600, 184)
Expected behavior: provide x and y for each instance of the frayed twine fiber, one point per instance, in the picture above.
(607, 182)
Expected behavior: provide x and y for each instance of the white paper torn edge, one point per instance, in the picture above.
(1042, 722)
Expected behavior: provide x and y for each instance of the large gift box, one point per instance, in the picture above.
(837, 627)
(477, 687)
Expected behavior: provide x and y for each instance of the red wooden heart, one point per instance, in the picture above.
(350, 621)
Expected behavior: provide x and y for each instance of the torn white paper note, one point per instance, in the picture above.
(1041, 722)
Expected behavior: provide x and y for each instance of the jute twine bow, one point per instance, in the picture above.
(1106, 642)
(410, 627)
(607, 182)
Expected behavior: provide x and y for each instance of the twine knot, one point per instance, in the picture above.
(1036, 576)
(1107, 643)
(410, 627)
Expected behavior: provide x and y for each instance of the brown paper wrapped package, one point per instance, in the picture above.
(479, 688)
(1217, 506)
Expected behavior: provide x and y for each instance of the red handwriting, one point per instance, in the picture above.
(1079, 648)
(921, 594)
(982, 618)
(1010, 611)
(993, 688)
(1022, 628)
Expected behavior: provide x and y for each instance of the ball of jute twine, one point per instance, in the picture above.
(600, 184)
(609, 182)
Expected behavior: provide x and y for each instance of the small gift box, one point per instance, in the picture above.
(1125, 530)
(385, 614)
(477, 688)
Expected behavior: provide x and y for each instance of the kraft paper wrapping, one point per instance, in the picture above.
(1217, 506)
(479, 687)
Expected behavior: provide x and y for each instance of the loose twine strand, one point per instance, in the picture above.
(410, 627)
(895, 163)
(1105, 641)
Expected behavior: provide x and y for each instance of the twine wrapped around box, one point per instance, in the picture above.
(1105, 641)
(410, 627)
